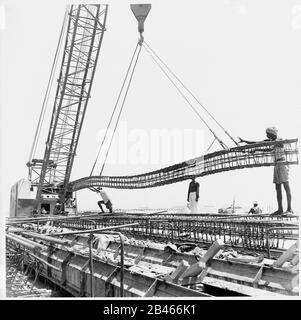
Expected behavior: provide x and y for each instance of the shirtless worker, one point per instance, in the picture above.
(281, 170)
(105, 200)
(193, 196)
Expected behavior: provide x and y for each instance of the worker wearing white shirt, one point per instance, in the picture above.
(193, 196)
(105, 200)
(255, 209)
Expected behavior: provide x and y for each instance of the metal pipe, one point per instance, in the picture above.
(91, 264)
(23, 243)
(268, 244)
(122, 264)
(40, 246)
(46, 238)
(121, 259)
(34, 245)
(36, 219)
(96, 230)
(45, 262)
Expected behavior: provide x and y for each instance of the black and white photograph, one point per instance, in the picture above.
(150, 150)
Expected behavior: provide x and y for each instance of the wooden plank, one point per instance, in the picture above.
(152, 289)
(241, 289)
(83, 278)
(180, 269)
(140, 256)
(257, 277)
(295, 260)
(174, 277)
(194, 270)
(247, 259)
(109, 287)
(203, 274)
(198, 267)
(288, 254)
(64, 267)
(271, 284)
(212, 251)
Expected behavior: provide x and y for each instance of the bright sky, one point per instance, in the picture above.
(240, 58)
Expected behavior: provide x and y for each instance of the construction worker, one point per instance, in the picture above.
(105, 200)
(281, 170)
(193, 196)
(255, 209)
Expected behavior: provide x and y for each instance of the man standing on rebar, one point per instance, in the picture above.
(193, 196)
(281, 170)
(105, 200)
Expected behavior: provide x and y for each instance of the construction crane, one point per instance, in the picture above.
(49, 184)
(48, 177)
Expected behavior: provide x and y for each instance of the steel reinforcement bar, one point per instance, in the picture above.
(248, 234)
(248, 156)
(194, 216)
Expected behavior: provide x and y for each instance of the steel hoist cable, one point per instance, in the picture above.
(125, 86)
(114, 110)
(189, 91)
(224, 146)
(121, 109)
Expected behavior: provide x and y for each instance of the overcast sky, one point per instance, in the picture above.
(240, 58)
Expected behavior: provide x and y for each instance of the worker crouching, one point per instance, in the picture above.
(105, 200)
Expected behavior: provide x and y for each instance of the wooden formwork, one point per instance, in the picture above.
(69, 267)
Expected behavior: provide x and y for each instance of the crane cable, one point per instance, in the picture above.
(114, 110)
(126, 92)
(132, 69)
(49, 86)
(189, 91)
(224, 146)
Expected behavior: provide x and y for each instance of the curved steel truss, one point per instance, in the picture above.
(249, 156)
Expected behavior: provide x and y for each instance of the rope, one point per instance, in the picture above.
(195, 98)
(115, 107)
(210, 145)
(224, 146)
(49, 86)
(127, 89)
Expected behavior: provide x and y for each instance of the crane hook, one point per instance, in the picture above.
(141, 11)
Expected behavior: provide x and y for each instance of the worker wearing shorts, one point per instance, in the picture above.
(281, 172)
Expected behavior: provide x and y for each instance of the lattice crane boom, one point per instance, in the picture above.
(85, 30)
